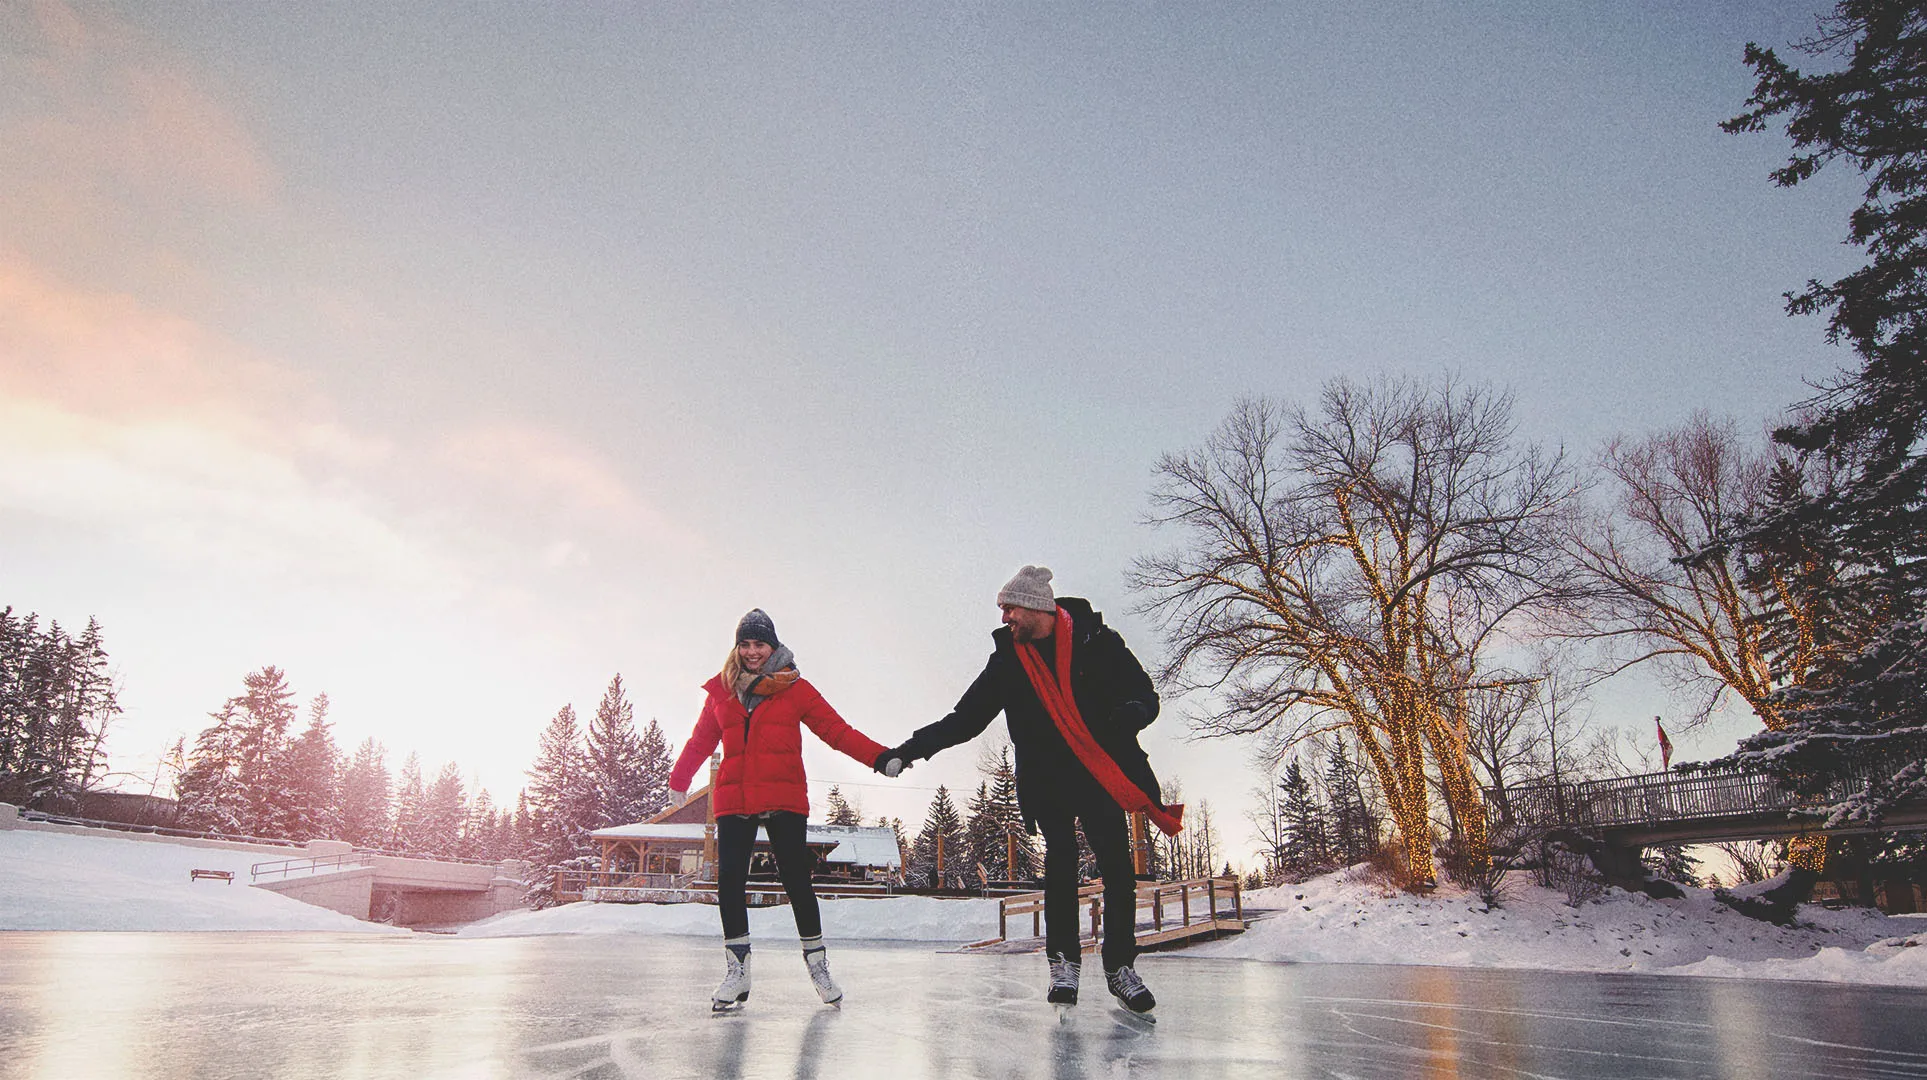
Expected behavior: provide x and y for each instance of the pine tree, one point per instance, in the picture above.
(1018, 857)
(56, 701)
(1305, 848)
(839, 809)
(656, 765)
(1862, 712)
(615, 762)
(1355, 826)
(366, 820)
(266, 712)
(444, 812)
(314, 772)
(208, 794)
(942, 831)
(411, 797)
(481, 833)
(561, 797)
(983, 837)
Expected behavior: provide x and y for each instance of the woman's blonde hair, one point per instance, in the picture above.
(732, 669)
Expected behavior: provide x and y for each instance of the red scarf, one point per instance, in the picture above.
(1061, 704)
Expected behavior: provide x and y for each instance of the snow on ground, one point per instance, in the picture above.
(64, 881)
(1344, 918)
(889, 918)
(55, 881)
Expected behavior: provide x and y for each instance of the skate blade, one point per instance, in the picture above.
(719, 1005)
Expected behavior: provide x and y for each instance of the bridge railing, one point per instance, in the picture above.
(283, 868)
(1655, 797)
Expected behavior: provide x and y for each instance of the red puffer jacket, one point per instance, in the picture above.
(763, 753)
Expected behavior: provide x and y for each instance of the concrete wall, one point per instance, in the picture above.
(10, 819)
(417, 907)
(348, 891)
(406, 892)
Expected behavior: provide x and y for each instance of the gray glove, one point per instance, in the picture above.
(677, 798)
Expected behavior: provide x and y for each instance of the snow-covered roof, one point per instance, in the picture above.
(858, 845)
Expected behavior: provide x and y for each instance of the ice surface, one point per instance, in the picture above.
(214, 1006)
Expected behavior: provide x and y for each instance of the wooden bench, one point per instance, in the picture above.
(215, 875)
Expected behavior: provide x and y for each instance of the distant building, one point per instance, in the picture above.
(675, 850)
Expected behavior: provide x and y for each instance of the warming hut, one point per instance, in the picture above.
(677, 849)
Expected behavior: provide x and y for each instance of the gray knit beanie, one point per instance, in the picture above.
(1029, 589)
(757, 626)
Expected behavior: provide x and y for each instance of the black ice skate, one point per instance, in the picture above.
(1063, 981)
(1130, 990)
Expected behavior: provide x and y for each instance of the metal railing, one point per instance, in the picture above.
(282, 868)
(1656, 798)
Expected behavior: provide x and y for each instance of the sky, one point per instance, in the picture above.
(457, 357)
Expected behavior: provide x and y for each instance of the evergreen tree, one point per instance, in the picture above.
(983, 838)
(444, 813)
(656, 765)
(615, 761)
(208, 794)
(942, 831)
(561, 797)
(314, 773)
(1354, 825)
(1861, 712)
(1305, 847)
(839, 809)
(1020, 860)
(1672, 862)
(481, 832)
(411, 798)
(266, 711)
(365, 795)
(56, 701)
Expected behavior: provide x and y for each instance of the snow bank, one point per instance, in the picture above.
(62, 881)
(893, 918)
(1343, 920)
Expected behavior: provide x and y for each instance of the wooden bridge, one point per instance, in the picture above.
(1167, 912)
(1687, 808)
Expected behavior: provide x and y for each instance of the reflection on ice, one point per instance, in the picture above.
(598, 1008)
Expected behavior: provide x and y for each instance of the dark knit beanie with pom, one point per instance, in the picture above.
(757, 626)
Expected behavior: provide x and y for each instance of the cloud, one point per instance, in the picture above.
(140, 424)
(96, 105)
(541, 468)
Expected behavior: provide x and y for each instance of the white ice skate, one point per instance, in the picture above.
(735, 987)
(819, 965)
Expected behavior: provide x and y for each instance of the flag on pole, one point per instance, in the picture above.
(1665, 746)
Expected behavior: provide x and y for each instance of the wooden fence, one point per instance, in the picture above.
(1177, 909)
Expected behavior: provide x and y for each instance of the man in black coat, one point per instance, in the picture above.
(1063, 775)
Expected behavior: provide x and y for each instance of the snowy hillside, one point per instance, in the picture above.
(53, 881)
(1341, 919)
(61, 881)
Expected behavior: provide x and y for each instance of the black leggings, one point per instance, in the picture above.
(736, 841)
(1109, 837)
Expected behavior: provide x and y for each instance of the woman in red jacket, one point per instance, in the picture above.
(756, 708)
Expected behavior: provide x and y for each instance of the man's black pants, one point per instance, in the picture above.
(1109, 837)
(736, 841)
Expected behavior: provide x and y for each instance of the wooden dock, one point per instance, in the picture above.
(1167, 912)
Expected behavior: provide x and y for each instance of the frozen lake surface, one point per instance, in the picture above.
(213, 1005)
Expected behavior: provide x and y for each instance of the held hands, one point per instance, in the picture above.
(891, 762)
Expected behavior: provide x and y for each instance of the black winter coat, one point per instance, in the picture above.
(1114, 695)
